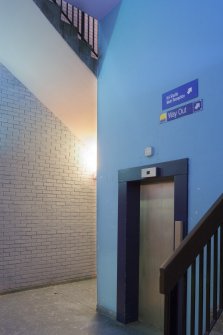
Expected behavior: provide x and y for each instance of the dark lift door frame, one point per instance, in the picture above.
(129, 223)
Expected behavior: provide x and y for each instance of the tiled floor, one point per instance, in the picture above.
(59, 310)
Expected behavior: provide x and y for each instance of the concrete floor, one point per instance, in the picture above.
(67, 309)
(218, 328)
(59, 310)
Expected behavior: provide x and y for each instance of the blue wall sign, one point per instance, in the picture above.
(180, 95)
(185, 110)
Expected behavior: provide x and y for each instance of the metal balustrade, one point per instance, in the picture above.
(192, 279)
(86, 25)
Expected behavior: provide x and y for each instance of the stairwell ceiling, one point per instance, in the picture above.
(95, 8)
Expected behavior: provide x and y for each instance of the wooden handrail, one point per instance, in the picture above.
(174, 268)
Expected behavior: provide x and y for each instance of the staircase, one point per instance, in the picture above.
(192, 279)
(77, 28)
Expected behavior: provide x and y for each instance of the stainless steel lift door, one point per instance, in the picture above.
(156, 245)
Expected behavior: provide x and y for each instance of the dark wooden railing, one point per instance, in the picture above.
(192, 279)
(86, 25)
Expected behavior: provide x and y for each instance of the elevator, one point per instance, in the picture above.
(156, 241)
(152, 206)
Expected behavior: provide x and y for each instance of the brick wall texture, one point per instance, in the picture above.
(47, 197)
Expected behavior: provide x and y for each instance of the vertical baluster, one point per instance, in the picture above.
(82, 25)
(93, 44)
(221, 268)
(201, 276)
(67, 11)
(76, 17)
(171, 308)
(73, 16)
(193, 283)
(96, 36)
(184, 304)
(60, 5)
(208, 281)
(88, 26)
(215, 281)
(78, 20)
(167, 330)
(70, 13)
(61, 10)
(170, 312)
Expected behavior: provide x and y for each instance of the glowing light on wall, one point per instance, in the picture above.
(89, 157)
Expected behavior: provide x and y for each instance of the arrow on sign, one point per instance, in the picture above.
(190, 90)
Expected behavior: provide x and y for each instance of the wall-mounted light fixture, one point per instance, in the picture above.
(90, 157)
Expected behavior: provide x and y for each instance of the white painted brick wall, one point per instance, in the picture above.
(47, 198)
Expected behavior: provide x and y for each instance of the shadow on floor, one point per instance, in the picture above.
(67, 309)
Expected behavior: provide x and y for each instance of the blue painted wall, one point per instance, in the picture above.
(148, 48)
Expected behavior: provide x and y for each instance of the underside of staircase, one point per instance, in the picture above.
(71, 34)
